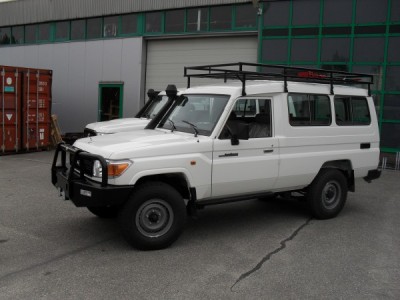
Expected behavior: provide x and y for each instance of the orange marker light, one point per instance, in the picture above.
(117, 169)
(192, 162)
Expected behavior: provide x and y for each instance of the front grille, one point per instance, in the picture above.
(85, 164)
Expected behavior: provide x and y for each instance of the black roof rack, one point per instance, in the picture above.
(251, 71)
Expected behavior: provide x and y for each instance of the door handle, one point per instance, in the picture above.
(269, 151)
(365, 146)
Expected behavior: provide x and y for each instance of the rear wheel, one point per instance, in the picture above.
(327, 194)
(105, 212)
(154, 216)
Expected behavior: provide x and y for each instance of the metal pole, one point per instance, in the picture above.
(3, 119)
(27, 110)
(37, 109)
(384, 160)
(16, 110)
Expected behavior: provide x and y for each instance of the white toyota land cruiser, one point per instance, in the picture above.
(279, 130)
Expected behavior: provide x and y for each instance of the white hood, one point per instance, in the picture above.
(139, 143)
(118, 125)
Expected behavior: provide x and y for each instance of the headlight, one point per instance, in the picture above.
(115, 168)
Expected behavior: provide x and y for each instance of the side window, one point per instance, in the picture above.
(352, 111)
(254, 113)
(309, 110)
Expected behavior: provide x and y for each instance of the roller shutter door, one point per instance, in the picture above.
(167, 58)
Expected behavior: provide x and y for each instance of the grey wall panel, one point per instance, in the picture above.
(131, 70)
(78, 68)
(35, 11)
(112, 60)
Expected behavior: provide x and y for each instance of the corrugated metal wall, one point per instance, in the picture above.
(36, 11)
(78, 68)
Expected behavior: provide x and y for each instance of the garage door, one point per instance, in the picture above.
(167, 58)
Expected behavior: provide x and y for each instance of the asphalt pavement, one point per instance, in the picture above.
(49, 249)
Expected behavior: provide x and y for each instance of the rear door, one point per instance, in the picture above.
(252, 165)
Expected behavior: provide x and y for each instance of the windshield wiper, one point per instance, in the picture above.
(173, 127)
(196, 131)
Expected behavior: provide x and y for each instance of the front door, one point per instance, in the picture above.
(110, 101)
(252, 165)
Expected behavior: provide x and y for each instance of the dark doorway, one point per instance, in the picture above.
(110, 101)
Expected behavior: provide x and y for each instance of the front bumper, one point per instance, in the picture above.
(76, 187)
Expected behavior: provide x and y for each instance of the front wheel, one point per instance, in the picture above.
(327, 194)
(154, 216)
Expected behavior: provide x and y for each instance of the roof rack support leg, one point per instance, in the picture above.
(188, 82)
(244, 85)
(369, 89)
(285, 87)
(331, 82)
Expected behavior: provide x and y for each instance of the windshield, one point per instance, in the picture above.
(154, 107)
(195, 113)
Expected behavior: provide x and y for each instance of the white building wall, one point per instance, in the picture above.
(78, 68)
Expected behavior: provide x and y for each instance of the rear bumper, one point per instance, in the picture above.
(78, 188)
(372, 174)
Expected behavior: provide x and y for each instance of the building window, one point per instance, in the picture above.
(391, 111)
(17, 35)
(335, 49)
(368, 49)
(246, 16)
(338, 11)
(5, 35)
(93, 28)
(275, 50)
(276, 13)
(154, 22)
(304, 50)
(78, 29)
(395, 11)
(175, 21)
(129, 24)
(221, 18)
(197, 19)
(110, 27)
(371, 11)
(393, 78)
(306, 12)
(44, 32)
(393, 52)
(30, 34)
(388, 139)
(62, 30)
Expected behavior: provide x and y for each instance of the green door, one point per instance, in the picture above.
(110, 101)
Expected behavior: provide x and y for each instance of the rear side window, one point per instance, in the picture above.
(352, 111)
(309, 110)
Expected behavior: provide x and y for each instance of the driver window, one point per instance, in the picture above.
(256, 113)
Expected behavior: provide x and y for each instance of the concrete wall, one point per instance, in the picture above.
(78, 68)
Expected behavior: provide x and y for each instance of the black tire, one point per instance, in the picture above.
(104, 212)
(327, 194)
(154, 216)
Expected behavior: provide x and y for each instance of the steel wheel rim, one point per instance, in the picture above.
(331, 194)
(154, 218)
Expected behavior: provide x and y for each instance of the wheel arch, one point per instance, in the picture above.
(346, 167)
(177, 180)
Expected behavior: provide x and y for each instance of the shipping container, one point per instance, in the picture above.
(25, 109)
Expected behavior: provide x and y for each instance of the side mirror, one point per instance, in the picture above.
(239, 131)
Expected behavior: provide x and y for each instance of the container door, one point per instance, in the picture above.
(110, 101)
(36, 109)
(10, 94)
